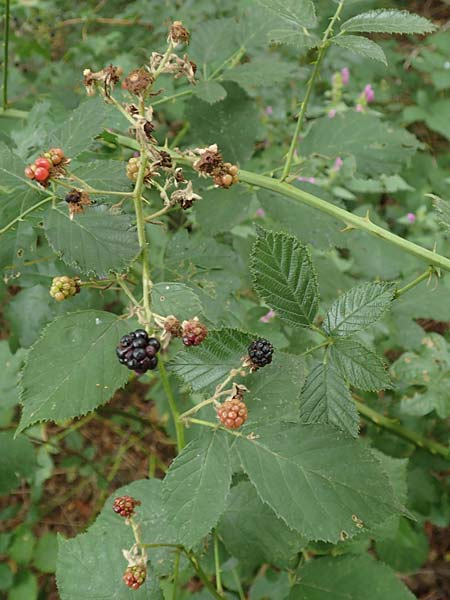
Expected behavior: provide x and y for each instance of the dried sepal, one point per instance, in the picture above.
(108, 77)
(185, 197)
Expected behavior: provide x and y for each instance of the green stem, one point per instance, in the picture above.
(309, 88)
(209, 586)
(25, 213)
(415, 282)
(351, 220)
(217, 563)
(163, 62)
(176, 570)
(173, 97)
(314, 348)
(13, 113)
(238, 584)
(128, 292)
(179, 428)
(397, 429)
(6, 55)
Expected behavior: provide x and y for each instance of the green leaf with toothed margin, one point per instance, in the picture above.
(361, 367)
(284, 277)
(95, 242)
(326, 399)
(361, 45)
(196, 486)
(72, 368)
(388, 21)
(321, 482)
(206, 365)
(359, 308)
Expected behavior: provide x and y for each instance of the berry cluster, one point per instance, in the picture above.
(227, 175)
(211, 164)
(232, 413)
(135, 576)
(260, 353)
(125, 505)
(133, 169)
(64, 287)
(41, 169)
(193, 332)
(138, 351)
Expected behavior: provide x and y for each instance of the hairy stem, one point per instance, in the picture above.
(309, 88)
(179, 428)
(351, 220)
(6, 54)
(399, 430)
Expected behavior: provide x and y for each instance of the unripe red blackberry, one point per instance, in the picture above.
(64, 287)
(135, 576)
(260, 353)
(193, 332)
(125, 505)
(137, 351)
(232, 413)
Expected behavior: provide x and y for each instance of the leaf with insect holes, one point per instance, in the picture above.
(350, 577)
(284, 277)
(206, 365)
(388, 21)
(196, 486)
(72, 368)
(361, 367)
(361, 45)
(321, 482)
(326, 399)
(358, 308)
(95, 242)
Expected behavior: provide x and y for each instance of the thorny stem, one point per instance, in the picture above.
(179, 428)
(6, 55)
(301, 117)
(396, 428)
(25, 213)
(351, 220)
(217, 563)
(426, 275)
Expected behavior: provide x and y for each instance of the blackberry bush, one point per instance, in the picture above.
(220, 186)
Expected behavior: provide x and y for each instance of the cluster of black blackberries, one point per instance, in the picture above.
(137, 351)
(260, 352)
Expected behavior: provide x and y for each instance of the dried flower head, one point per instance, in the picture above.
(77, 201)
(185, 198)
(137, 81)
(178, 34)
(174, 65)
(108, 76)
(209, 162)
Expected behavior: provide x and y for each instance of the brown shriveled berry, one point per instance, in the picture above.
(232, 413)
(173, 326)
(125, 505)
(193, 332)
(178, 33)
(135, 576)
(137, 81)
(64, 287)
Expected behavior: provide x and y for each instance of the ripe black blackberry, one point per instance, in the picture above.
(260, 352)
(137, 351)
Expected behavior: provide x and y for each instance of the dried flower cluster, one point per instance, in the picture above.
(210, 164)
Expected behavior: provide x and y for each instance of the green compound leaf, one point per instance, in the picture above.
(321, 482)
(177, 299)
(208, 364)
(361, 367)
(388, 21)
(285, 278)
(196, 487)
(17, 461)
(361, 45)
(253, 533)
(358, 308)
(98, 556)
(326, 399)
(348, 578)
(377, 147)
(95, 242)
(72, 368)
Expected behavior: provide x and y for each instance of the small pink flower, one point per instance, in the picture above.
(369, 93)
(332, 113)
(136, 154)
(359, 108)
(337, 164)
(269, 110)
(311, 180)
(268, 316)
(260, 212)
(307, 179)
(345, 73)
(411, 217)
(302, 179)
